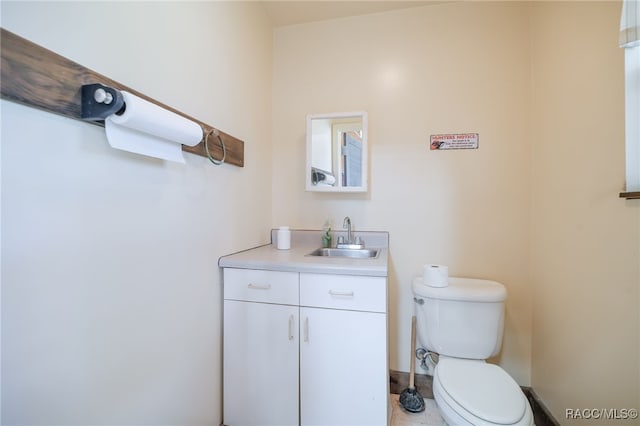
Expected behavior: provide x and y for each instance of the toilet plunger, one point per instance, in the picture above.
(410, 398)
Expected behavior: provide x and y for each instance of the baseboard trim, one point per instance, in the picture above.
(399, 381)
(543, 416)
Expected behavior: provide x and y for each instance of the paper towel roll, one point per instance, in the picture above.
(148, 129)
(435, 275)
(328, 180)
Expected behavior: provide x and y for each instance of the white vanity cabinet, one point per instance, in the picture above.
(344, 374)
(333, 371)
(261, 346)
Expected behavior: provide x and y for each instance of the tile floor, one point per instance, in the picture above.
(430, 416)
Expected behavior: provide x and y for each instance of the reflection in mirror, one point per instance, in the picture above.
(337, 152)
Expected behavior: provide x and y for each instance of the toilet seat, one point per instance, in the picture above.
(480, 393)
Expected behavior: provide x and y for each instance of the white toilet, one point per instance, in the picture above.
(463, 324)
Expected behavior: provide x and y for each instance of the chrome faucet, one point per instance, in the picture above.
(351, 241)
(347, 224)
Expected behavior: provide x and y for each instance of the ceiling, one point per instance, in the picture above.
(291, 12)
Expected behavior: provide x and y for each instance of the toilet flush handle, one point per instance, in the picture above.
(418, 301)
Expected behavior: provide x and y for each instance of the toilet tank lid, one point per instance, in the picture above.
(462, 289)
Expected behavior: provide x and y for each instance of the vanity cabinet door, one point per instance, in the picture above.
(260, 364)
(343, 367)
(261, 348)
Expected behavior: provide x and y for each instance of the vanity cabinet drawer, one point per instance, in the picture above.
(350, 292)
(254, 285)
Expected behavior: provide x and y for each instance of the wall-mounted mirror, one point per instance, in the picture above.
(337, 152)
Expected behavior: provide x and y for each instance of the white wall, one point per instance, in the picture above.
(111, 297)
(585, 240)
(449, 68)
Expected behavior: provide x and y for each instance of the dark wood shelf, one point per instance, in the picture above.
(39, 78)
(630, 195)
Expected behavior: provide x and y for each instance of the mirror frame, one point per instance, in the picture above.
(365, 156)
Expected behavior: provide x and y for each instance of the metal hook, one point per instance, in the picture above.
(206, 147)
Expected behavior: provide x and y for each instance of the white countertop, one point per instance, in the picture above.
(296, 259)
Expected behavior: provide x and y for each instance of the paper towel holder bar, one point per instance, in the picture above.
(99, 102)
(39, 78)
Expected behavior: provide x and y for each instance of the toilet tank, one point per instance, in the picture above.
(463, 320)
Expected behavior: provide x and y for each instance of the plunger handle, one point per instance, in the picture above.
(413, 351)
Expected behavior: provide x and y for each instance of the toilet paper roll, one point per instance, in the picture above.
(284, 238)
(435, 275)
(148, 129)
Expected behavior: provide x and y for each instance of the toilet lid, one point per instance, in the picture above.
(484, 390)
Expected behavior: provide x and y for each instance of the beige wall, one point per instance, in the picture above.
(111, 296)
(110, 289)
(439, 69)
(536, 207)
(585, 241)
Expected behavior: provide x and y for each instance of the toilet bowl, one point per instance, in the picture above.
(472, 392)
(463, 323)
